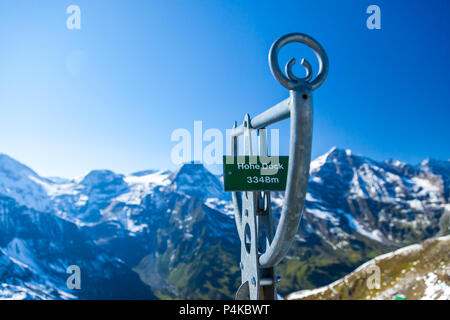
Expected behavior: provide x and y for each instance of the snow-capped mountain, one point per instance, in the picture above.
(23, 184)
(389, 202)
(172, 234)
(195, 180)
(36, 248)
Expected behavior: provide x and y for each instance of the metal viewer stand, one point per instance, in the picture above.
(261, 249)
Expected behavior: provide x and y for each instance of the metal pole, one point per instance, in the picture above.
(252, 209)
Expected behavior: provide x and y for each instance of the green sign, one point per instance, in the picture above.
(255, 173)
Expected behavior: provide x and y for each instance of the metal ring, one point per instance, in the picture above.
(290, 81)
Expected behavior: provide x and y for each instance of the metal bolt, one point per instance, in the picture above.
(253, 281)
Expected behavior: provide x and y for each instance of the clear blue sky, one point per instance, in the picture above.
(110, 95)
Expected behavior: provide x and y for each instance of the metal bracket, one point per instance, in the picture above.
(255, 230)
(261, 250)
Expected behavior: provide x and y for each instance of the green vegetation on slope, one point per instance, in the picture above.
(414, 272)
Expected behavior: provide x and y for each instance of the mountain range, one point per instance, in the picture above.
(159, 234)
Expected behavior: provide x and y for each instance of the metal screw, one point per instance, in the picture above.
(254, 281)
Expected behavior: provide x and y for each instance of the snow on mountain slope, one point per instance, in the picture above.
(143, 184)
(346, 191)
(381, 201)
(23, 184)
(83, 200)
(36, 248)
(419, 271)
(355, 207)
(20, 278)
(195, 180)
(19, 253)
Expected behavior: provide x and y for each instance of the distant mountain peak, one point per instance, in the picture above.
(22, 184)
(143, 173)
(396, 163)
(191, 167)
(100, 176)
(104, 183)
(195, 180)
(12, 166)
(430, 162)
(332, 155)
